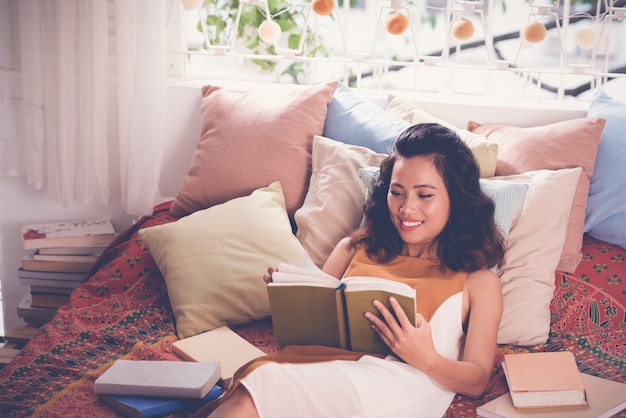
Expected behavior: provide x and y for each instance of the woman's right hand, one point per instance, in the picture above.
(267, 278)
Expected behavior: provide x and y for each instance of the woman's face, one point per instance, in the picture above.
(418, 203)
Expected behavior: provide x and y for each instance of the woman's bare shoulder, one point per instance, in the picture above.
(339, 258)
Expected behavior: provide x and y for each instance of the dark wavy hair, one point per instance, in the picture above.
(470, 239)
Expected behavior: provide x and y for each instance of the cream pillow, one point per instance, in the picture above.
(485, 152)
(213, 260)
(533, 252)
(333, 205)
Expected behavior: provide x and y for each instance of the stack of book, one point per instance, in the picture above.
(144, 388)
(57, 257)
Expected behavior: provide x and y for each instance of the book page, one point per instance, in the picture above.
(293, 274)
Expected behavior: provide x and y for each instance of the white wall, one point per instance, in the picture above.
(21, 205)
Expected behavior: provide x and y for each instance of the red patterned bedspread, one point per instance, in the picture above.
(122, 311)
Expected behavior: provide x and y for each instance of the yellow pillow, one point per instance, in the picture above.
(485, 152)
(213, 260)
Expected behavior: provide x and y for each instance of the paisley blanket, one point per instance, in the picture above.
(122, 311)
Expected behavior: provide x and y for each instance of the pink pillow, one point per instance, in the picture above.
(568, 144)
(250, 139)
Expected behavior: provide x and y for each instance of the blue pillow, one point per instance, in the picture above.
(606, 206)
(355, 121)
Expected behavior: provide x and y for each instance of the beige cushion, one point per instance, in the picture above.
(213, 261)
(533, 251)
(572, 143)
(333, 206)
(249, 139)
(485, 152)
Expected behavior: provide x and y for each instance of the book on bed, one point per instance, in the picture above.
(156, 406)
(544, 379)
(181, 379)
(606, 398)
(311, 307)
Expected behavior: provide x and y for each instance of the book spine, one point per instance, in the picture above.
(342, 319)
(135, 390)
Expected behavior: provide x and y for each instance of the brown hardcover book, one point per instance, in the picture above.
(67, 234)
(48, 300)
(81, 258)
(29, 263)
(544, 379)
(311, 307)
(220, 344)
(605, 399)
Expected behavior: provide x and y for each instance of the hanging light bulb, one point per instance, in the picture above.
(192, 4)
(534, 32)
(396, 24)
(587, 38)
(323, 7)
(463, 29)
(269, 31)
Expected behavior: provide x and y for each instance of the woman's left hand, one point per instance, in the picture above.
(413, 344)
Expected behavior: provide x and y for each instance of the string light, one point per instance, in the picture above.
(269, 31)
(463, 29)
(534, 32)
(396, 24)
(587, 38)
(323, 7)
(192, 4)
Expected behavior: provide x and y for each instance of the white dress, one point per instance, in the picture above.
(370, 387)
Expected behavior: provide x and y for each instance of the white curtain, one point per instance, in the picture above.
(82, 98)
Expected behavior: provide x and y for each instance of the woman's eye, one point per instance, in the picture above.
(395, 193)
(425, 196)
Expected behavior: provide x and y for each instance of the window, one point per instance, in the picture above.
(533, 48)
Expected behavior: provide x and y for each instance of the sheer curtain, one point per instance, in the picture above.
(82, 98)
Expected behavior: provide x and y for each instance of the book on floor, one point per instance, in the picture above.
(30, 313)
(86, 250)
(48, 300)
(220, 344)
(68, 234)
(311, 307)
(81, 258)
(29, 263)
(605, 399)
(52, 275)
(35, 288)
(544, 379)
(155, 406)
(176, 379)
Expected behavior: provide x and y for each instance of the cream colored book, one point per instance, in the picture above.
(221, 344)
(176, 379)
(605, 399)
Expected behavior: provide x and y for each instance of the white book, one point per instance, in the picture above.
(176, 379)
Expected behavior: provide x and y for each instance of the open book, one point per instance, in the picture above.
(311, 307)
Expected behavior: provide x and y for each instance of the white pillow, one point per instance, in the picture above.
(213, 260)
(333, 205)
(533, 251)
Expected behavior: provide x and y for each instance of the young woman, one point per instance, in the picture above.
(428, 224)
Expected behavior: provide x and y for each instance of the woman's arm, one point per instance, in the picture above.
(470, 375)
(338, 260)
(335, 265)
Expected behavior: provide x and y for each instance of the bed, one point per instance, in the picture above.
(127, 307)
